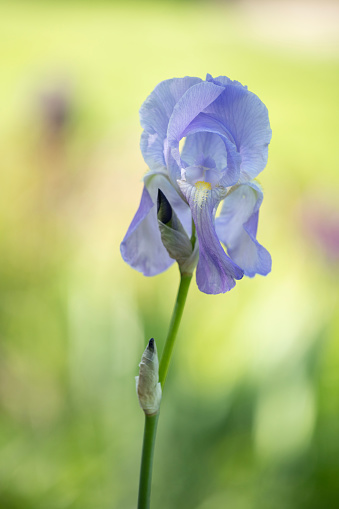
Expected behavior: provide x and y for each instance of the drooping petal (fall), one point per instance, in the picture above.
(142, 247)
(237, 226)
(216, 272)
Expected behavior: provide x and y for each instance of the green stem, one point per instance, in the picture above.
(150, 430)
(185, 280)
(151, 422)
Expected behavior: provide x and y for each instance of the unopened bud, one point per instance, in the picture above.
(164, 209)
(175, 238)
(148, 385)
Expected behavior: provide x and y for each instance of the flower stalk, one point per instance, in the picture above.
(150, 430)
(185, 281)
(151, 421)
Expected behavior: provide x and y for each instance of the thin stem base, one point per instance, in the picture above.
(150, 430)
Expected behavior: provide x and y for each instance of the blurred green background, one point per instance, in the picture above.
(250, 417)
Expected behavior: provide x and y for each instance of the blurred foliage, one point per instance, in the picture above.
(250, 417)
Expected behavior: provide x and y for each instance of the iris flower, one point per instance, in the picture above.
(204, 142)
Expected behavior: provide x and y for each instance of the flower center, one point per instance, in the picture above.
(201, 193)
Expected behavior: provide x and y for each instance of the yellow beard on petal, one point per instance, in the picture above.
(201, 194)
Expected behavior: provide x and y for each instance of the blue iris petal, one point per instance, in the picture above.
(216, 272)
(204, 125)
(195, 100)
(237, 229)
(154, 117)
(246, 118)
(205, 144)
(142, 247)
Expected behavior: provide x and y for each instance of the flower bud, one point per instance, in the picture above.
(175, 238)
(147, 383)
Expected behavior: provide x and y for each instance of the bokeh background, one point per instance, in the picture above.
(250, 417)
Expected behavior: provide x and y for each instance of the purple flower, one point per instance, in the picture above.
(226, 134)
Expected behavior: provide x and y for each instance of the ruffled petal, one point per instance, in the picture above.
(154, 117)
(237, 227)
(216, 272)
(246, 118)
(193, 102)
(204, 125)
(223, 80)
(142, 247)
